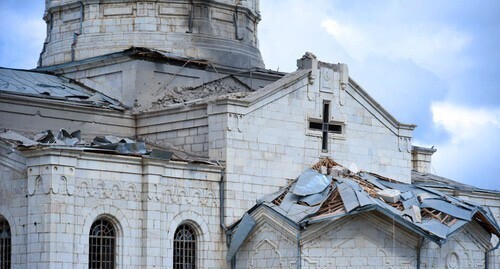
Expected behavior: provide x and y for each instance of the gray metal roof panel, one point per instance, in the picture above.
(37, 84)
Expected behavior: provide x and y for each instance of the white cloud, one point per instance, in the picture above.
(471, 155)
(463, 123)
(430, 45)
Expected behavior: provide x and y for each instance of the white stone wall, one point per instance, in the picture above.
(66, 191)
(465, 249)
(187, 130)
(363, 241)
(40, 115)
(272, 244)
(270, 142)
(368, 240)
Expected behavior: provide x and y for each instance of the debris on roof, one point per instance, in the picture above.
(102, 144)
(159, 55)
(435, 181)
(214, 88)
(42, 85)
(328, 191)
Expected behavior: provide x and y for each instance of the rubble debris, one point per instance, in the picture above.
(218, 87)
(45, 137)
(314, 197)
(104, 144)
(69, 139)
(17, 139)
(389, 195)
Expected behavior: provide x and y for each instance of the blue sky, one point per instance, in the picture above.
(432, 63)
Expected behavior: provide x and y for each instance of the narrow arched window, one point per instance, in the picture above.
(5, 244)
(102, 245)
(185, 247)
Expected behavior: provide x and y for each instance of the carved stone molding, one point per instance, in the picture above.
(189, 196)
(129, 191)
(234, 122)
(108, 190)
(404, 144)
(51, 179)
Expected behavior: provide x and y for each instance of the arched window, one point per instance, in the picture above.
(185, 247)
(5, 244)
(102, 245)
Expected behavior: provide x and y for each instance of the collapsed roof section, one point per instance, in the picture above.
(188, 95)
(100, 144)
(329, 192)
(41, 85)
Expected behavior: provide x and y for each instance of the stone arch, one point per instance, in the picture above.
(123, 236)
(263, 247)
(201, 228)
(6, 242)
(7, 216)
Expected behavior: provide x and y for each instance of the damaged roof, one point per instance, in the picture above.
(329, 191)
(42, 85)
(102, 144)
(435, 181)
(212, 89)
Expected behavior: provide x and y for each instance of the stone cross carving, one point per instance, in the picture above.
(325, 126)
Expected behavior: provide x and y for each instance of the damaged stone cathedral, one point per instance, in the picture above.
(151, 136)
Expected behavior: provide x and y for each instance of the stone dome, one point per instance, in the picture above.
(223, 32)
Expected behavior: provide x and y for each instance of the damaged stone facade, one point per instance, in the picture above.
(217, 131)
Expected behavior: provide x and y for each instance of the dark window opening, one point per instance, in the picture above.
(102, 245)
(315, 125)
(185, 247)
(334, 128)
(325, 126)
(5, 244)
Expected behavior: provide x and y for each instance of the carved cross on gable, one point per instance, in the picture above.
(325, 126)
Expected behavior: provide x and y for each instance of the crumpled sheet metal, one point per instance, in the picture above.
(245, 227)
(290, 208)
(311, 182)
(120, 145)
(317, 198)
(356, 199)
(44, 138)
(17, 139)
(373, 180)
(447, 208)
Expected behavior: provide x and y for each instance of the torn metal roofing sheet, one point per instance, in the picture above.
(310, 182)
(42, 85)
(244, 229)
(425, 211)
(102, 144)
(435, 181)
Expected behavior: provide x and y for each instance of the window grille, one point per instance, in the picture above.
(185, 248)
(102, 245)
(5, 244)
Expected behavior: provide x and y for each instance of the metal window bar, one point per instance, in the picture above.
(184, 248)
(5, 245)
(102, 245)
